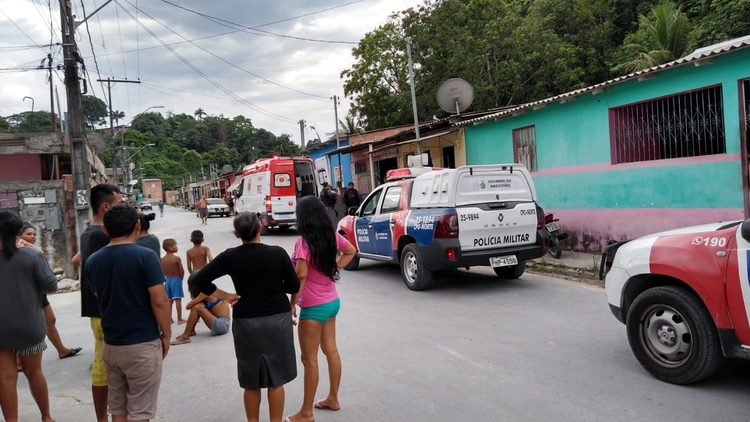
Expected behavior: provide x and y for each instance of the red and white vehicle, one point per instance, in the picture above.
(272, 186)
(684, 296)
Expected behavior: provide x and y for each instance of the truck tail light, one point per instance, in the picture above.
(268, 204)
(450, 254)
(539, 218)
(446, 226)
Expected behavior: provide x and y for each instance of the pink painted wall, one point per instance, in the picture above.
(602, 225)
(20, 168)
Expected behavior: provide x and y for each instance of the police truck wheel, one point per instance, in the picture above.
(673, 336)
(353, 264)
(511, 272)
(413, 271)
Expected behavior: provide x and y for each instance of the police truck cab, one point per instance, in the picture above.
(427, 219)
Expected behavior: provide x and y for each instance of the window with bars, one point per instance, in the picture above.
(361, 168)
(8, 199)
(524, 147)
(690, 124)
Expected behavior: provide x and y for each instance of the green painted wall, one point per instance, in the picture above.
(577, 134)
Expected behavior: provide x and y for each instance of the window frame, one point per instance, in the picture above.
(381, 210)
(534, 166)
(377, 196)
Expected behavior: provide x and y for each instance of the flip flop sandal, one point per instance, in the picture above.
(72, 353)
(319, 405)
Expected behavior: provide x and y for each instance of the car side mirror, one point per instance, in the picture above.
(236, 193)
(351, 211)
(745, 230)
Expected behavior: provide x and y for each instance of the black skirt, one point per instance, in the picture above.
(264, 347)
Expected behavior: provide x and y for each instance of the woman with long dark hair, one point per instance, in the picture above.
(26, 275)
(317, 267)
(262, 322)
(144, 238)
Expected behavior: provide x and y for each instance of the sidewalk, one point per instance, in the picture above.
(583, 261)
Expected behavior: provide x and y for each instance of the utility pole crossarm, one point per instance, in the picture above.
(79, 23)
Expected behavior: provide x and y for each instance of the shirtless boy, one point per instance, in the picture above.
(174, 272)
(198, 256)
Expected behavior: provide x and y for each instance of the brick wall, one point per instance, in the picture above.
(152, 191)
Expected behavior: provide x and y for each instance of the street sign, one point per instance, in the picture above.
(81, 198)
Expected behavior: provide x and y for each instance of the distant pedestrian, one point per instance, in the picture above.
(174, 272)
(198, 256)
(262, 328)
(328, 198)
(144, 238)
(161, 208)
(25, 275)
(103, 198)
(203, 209)
(317, 267)
(351, 196)
(129, 284)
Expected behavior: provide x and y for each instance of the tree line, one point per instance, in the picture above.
(518, 51)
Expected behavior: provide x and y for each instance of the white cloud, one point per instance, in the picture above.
(305, 66)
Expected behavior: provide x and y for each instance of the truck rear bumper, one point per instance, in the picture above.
(435, 256)
(269, 221)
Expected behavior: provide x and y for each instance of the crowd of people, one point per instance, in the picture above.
(128, 291)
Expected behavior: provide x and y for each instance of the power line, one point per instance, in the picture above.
(201, 73)
(91, 43)
(247, 28)
(124, 67)
(226, 61)
(22, 31)
(106, 54)
(236, 30)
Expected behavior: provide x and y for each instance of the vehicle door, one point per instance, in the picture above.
(321, 172)
(738, 287)
(383, 222)
(364, 222)
(283, 195)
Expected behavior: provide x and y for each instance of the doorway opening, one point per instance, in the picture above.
(449, 158)
(384, 166)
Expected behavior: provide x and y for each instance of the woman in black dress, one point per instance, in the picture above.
(263, 275)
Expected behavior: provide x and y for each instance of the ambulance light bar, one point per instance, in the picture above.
(408, 173)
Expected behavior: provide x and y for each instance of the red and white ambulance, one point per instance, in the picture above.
(684, 297)
(271, 187)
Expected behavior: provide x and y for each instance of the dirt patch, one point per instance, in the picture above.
(588, 276)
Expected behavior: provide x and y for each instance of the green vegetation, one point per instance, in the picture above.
(517, 51)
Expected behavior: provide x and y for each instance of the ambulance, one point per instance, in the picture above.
(271, 188)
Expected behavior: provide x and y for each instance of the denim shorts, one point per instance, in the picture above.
(321, 313)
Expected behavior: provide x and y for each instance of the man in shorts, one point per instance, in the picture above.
(103, 198)
(129, 285)
(203, 209)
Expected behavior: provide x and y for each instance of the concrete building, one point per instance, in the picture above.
(152, 190)
(654, 150)
(339, 172)
(36, 182)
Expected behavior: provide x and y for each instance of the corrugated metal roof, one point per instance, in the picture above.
(696, 57)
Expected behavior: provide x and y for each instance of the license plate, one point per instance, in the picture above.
(503, 261)
(552, 226)
(287, 215)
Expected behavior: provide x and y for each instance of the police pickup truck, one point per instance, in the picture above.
(426, 219)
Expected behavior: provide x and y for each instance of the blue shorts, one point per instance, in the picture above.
(173, 286)
(321, 313)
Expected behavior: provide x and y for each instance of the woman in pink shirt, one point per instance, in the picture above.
(318, 269)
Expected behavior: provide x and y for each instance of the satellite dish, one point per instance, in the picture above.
(96, 142)
(455, 95)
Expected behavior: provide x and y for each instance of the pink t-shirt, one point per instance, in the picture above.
(318, 289)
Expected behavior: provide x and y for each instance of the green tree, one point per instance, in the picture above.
(351, 125)
(151, 123)
(199, 114)
(94, 111)
(662, 37)
(117, 115)
(192, 161)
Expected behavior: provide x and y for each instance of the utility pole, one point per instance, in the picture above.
(338, 141)
(113, 148)
(79, 158)
(51, 92)
(413, 98)
(302, 133)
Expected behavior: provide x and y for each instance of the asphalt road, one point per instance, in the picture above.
(473, 348)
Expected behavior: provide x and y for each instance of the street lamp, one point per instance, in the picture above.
(129, 159)
(316, 133)
(32, 112)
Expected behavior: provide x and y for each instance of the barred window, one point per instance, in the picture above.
(524, 147)
(361, 168)
(690, 124)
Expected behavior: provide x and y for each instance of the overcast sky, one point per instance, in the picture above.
(301, 76)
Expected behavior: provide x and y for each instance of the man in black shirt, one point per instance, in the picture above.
(103, 198)
(328, 198)
(351, 196)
